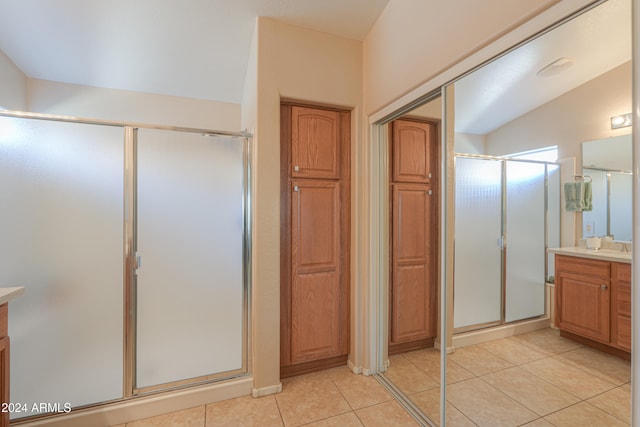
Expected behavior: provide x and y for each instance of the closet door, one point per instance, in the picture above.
(314, 246)
(316, 294)
(412, 150)
(410, 294)
(413, 278)
(315, 143)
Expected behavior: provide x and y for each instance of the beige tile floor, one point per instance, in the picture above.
(331, 398)
(537, 379)
(533, 379)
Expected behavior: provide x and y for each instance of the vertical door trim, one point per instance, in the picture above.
(130, 245)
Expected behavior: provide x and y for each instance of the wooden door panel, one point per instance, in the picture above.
(315, 316)
(316, 303)
(315, 225)
(412, 206)
(412, 270)
(410, 302)
(411, 150)
(583, 306)
(315, 150)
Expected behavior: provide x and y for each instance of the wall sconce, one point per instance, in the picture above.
(621, 121)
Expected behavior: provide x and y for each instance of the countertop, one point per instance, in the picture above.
(601, 254)
(7, 294)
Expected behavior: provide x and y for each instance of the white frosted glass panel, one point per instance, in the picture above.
(478, 226)
(61, 226)
(594, 222)
(525, 240)
(190, 231)
(620, 206)
(553, 214)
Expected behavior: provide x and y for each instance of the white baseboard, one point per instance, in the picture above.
(355, 369)
(498, 332)
(144, 407)
(265, 391)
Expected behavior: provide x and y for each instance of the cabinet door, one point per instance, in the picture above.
(621, 295)
(411, 288)
(318, 297)
(582, 305)
(412, 146)
(315, 149)
(4, 379)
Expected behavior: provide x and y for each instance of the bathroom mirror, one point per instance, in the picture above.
(512, 134)
(607, 162)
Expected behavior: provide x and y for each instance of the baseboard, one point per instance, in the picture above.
(145, 407)
(450, 350)
(265, 391)
(495, 333)
(355, 369)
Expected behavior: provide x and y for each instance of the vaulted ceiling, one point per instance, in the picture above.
(190, 48)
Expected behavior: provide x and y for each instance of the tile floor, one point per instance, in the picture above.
(533, 379)
(335, 397)
(537, 379)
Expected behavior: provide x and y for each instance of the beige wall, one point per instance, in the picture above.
(13, 85)
(579, 115)
(414, 40)
(125, 106)
(293, 63)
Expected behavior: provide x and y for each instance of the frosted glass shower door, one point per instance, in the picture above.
(190, 231)
(525, 240)
(61, 203)
(478, 256)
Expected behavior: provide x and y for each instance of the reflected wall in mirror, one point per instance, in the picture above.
(511, 367)
(608, 163)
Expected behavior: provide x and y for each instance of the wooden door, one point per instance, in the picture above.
(315, 143)
(411, 289)
(314, 246)
(316, 294)
(412, 149)
(414, 234)
(582, 304)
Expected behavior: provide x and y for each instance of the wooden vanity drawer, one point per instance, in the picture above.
(583, 266)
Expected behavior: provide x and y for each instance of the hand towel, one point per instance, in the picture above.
(588, 199)
(573, 196)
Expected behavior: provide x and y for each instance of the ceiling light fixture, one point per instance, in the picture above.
(621, 121)
(556, 67)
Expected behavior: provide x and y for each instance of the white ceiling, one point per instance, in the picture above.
(200, 48)
(190, 48)
(507, 88)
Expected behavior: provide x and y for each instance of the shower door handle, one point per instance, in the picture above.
(137, 261)
(501, 242)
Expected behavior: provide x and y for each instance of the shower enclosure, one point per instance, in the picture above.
(132, 243)
(506, 215)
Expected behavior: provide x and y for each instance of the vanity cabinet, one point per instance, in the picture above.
(621, 296)
(593, 301)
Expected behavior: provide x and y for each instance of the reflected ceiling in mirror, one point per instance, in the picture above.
(593, 43)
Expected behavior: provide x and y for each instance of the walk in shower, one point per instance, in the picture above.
(507, 213)
(132, 243)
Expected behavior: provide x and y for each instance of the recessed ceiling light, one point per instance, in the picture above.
(556, 67)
